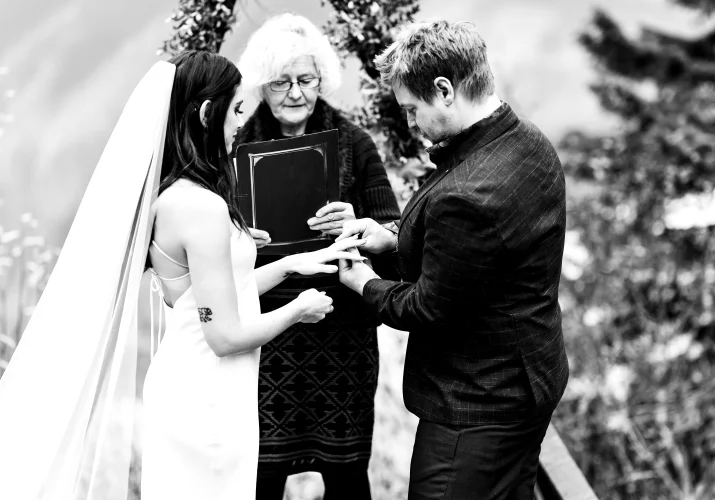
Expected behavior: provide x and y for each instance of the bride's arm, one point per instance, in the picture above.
(270, 275)
(205, 235)
(307, 263)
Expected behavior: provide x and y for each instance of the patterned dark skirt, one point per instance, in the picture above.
(317, 386)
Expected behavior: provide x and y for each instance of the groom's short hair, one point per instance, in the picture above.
(425, 51)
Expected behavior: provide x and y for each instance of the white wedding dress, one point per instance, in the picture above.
(200, 438)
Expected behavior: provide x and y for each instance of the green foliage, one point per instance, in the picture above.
(638, 308)
(706, 6)
(200, 25)
(364, 28)
(656, 56)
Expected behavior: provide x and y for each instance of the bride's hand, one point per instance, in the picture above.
(313, 306)
(315, 262)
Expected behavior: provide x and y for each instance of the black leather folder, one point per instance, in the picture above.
(282, 183)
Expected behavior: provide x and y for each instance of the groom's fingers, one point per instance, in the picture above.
(347, 244)
(355, 257)
(352, 227)
(331, 218)
(344, 265)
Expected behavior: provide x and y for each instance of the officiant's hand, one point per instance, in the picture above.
(261, 238)
(330, 218)
(315, 262)
(354, 274)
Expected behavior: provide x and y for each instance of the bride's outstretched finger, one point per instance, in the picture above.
(352, 242)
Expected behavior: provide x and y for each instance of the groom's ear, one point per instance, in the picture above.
(202, 112)
(444, 90)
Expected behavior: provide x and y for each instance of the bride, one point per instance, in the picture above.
(164, 185)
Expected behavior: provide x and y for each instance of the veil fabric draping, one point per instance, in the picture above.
(67, 397)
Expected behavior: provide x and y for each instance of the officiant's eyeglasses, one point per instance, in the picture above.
(286, 85)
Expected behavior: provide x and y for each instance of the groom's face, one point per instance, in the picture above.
(431, 118)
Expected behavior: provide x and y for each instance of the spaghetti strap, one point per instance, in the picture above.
(170, 279)
(162, 252)
(153, 242)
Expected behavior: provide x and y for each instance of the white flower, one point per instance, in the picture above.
(695, 351)
(33, 241)
(7, 340)
(692, 210)
(576, 256)
(618, 421)
(9, 236)
(35, 273)
(618, 381)
(678, 346)
(593, 316)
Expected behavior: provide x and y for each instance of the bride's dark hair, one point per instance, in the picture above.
(192, 151)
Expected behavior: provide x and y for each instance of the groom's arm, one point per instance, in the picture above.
(459, 258)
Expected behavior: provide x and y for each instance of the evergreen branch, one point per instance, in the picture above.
(363, 28)
(665, 59)
(706, 6)
(200, 25)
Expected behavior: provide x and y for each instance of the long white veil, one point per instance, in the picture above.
(67, 397)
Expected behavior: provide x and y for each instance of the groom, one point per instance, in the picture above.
(479, 249)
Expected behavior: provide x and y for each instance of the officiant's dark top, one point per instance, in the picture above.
(480, 248)
(317, 381)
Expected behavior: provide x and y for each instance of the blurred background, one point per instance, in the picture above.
(624, 88)
(70, 65)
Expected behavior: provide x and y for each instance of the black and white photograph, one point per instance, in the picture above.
(357, 250)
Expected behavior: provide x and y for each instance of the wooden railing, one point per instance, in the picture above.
(559, 478)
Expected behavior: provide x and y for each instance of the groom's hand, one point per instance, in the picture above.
(354, 274)
(377, 238)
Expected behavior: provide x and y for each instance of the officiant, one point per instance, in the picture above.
(317, 381)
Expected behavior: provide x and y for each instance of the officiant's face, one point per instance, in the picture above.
(292, 108)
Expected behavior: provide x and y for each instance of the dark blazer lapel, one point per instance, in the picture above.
(431, 182)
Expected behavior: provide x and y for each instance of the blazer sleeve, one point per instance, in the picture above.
(459, 259)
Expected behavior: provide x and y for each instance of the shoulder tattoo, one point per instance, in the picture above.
(205, 314)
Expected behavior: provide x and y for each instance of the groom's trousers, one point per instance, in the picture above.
(484, 462)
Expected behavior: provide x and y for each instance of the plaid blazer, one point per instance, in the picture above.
(479, 250)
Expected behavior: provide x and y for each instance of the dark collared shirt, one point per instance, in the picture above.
(443, 149)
